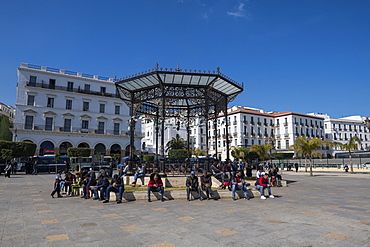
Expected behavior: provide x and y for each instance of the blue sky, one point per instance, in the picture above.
(302, 56)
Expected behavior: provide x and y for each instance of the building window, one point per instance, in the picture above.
(87, 87)
(102, 108)
(50, 102)
(70, 86)
(287, 144)
(49, 123)
(85, 106)
(29, 123)
(252, 142)
(51, 83)
(101, 127)
(69, 104)
(103, 89)
(67, 125)
(85, 124)
(117, 109)
(31, 100)
(116, 129)
(279, 145)
(246, 142)
(33, 80)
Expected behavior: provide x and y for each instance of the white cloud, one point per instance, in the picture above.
(240, 12)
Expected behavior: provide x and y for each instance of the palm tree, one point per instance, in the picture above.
(308, 148)
(197, 152)
(350, 146)
(262, 150)
(176, 143)
(239, 152)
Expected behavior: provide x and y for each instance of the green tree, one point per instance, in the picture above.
(5, 133)
(176, 143)
(197, 152)
(178, 153)
(6, 154)
(262, 150)
(351, 145)
(240, 153)
(19, 149)
(78, 152)
(117, 157)
(148, 157)
(308, 148)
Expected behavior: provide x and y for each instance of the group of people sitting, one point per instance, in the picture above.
(100, 185)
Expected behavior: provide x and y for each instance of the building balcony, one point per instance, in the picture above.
(74, 130)
(235, 123)
(253, 134)
(296, 123)
(245, 122)
(235, 134)
(285, 124)
(252, 122)
(74, 90)
(259, 123)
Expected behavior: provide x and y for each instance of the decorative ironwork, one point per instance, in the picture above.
(176, 93)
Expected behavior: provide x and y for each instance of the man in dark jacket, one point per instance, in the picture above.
(192, 184)
(116, 186)
(239, 183)
(206, 183)
(100, 186)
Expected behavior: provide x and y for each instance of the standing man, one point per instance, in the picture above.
(296, 167)
(192, 184)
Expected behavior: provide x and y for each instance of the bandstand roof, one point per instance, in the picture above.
(181, 87)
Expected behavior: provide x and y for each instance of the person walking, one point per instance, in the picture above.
(34, 168)
(58, 179)
(296, 167)
(7, 170)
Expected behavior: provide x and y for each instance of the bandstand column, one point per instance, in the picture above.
(227, 132)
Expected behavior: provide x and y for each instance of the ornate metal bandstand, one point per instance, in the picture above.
(162, 93)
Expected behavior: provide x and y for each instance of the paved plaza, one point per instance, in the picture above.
(330, 209)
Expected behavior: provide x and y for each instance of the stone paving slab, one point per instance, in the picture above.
(294, 218)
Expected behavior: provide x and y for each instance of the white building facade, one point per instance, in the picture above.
(249, 126)
(8, 111)
(57, 109)
(342, 129)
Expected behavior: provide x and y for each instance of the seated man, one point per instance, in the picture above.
(262, 184)
(90, 183)
(192, 184)
(116, 186)
(218, 173)
(100, 186)
(239, 183)
(155, 185)
(140, 172)
(206, 183)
